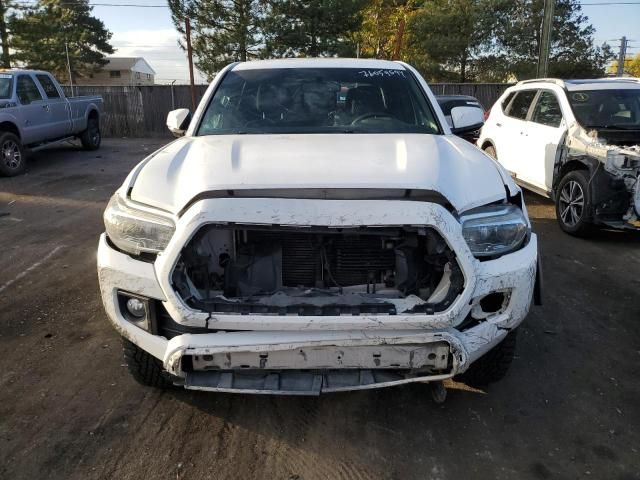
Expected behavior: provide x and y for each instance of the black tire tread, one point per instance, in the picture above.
(491, 151)
(144, 367)
(494, 365)
(87, 144)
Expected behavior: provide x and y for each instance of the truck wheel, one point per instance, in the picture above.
(144, 367)
(573, 204)
(491, 151)
(493, 365)
(12, 159)
(91, 137)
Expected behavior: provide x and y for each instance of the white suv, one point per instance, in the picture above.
(575, 141)
(317, 228)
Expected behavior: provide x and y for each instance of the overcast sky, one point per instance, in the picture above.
(149, 32)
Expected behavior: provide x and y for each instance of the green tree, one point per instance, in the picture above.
(452, 36)
(573, 53)
(631, 66)
(39, 37)
(223, 31)
(311, 28)
(384, 33)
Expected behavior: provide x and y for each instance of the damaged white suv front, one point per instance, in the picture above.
(317, 228)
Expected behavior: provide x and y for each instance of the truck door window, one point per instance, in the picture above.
(520, 105)
(547, 110)
(27, 90)
(6, 81)
(48, 86)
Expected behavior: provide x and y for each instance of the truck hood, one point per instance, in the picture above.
(191, 166)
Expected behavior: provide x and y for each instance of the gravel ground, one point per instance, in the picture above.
(68, 408)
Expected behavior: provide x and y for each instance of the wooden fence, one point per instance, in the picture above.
(142, 111)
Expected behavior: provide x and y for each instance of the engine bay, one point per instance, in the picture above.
(317, 271)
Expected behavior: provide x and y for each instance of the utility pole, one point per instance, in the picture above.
(4, 36)
(545, 41)
(190, 55)
(622, 56)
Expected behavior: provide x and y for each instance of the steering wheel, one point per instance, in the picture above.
(364, 116)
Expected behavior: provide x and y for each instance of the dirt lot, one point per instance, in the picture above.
(569, 407)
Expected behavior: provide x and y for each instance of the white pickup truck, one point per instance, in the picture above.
(34, 113)
(317, 228)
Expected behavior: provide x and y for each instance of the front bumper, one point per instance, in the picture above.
(309, 354)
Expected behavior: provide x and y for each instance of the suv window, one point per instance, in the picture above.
(607, 108)
(520, 105)
(26, 90)
(507, 99)
(547, 110)
(48, 86)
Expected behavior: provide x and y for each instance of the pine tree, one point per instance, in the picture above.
(223, 31)
(41, 36)
(312, 28)
(573, 53)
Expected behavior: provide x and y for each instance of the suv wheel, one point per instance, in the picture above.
(91, 137)
(491, 151)
(12, 159)
(573, 203)
(493, 365)
(144, 367)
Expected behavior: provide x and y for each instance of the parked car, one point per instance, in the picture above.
(448, 102)
(576, 142)
(35, 113)
(289, 242)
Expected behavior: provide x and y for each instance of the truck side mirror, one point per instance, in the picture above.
(178, 121)
(466, 119)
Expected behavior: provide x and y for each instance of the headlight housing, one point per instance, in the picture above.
(136, 231)
(494, 230)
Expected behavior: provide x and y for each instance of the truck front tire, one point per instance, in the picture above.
(493, 365)
(91, 137)
(144, 367)
(12, 158)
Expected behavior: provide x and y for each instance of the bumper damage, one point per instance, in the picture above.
(306, 353)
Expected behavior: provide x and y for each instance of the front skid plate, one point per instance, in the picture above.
(301, 382)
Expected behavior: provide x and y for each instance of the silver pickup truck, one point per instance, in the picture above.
(34, 113)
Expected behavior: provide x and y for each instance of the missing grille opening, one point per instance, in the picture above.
(317, 271)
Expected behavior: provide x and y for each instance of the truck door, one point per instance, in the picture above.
(58, 107)
(34, 111)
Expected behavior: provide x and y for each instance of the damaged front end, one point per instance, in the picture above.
(612, 157)
(317, 271)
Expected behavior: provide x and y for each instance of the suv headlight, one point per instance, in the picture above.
(494, 230)
(134, 230)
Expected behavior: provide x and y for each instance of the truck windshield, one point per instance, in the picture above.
(5, 86)
(607, 108)
(318, 100)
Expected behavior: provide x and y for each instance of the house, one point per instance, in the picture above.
(121, 71)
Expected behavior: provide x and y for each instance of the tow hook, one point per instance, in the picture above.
(438, 391)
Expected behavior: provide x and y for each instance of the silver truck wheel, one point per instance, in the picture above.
(12, 161)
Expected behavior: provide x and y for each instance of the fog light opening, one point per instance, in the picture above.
(135, 309)
(491, 304)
